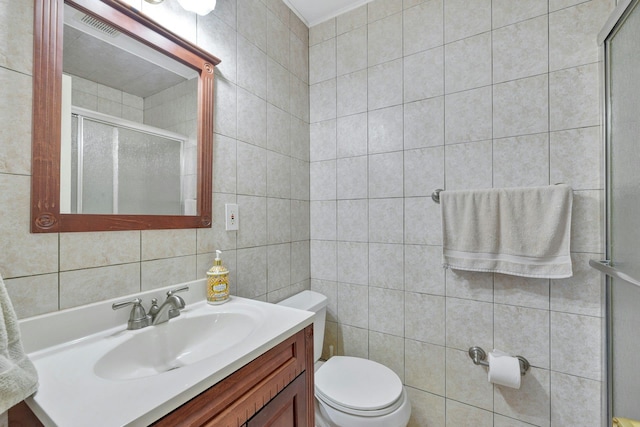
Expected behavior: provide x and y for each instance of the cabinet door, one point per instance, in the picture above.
(287, 409)
(234, 400)
(21, 416)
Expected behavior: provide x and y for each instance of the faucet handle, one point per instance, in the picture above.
(173, 291)
(138, 318)
(122, 304)
(181, 303)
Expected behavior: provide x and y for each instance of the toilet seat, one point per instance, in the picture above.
(358, 386)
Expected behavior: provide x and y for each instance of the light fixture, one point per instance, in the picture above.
(201, 7)
(154, 1)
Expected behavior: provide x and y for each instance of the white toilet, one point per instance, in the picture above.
(351, 391)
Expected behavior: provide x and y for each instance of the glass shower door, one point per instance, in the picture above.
(622, 71)
(155, 185)
(126, 170)
(96, 161)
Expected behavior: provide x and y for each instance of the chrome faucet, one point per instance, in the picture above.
(138, 318)
(169, 309)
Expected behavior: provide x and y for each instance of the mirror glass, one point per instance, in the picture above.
(123, 121)
(129, 128)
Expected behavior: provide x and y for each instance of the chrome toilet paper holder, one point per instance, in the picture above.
(479, 357)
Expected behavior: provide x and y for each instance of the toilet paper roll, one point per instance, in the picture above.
(504, 369)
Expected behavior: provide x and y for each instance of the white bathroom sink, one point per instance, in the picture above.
(176, 343)
(86, 356)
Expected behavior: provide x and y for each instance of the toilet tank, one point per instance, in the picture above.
(316, 303)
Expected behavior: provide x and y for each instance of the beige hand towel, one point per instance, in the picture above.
(18, 376)
(517, 231)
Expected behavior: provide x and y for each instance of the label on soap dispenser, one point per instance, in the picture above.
(217, 286)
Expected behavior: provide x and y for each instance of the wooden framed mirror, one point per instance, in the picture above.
(51, 208)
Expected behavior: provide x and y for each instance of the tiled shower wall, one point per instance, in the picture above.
(103, 99)
(261, 162)
(175, 109)
(410, 96)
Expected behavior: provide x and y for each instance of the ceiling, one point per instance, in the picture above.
(313, 12)
(92, 59)
(100, 53)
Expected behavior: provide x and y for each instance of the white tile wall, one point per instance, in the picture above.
(422, 26)
(385, 84)
(382, 8)
(468, 63)
(464, 19)
(424, 123)
(521, 50)
(514, 154)
(457, 94)
(351, 20)
(531, 403)
(252, 68)
(505, 12)
(427, 409)
(423, 75)
(468, 116)
(387, 349)
(458, 414)
(351, 51)
(15, 119)
(352, 177)
(354, 226)
(425, 366)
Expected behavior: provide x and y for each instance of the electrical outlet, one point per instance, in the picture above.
(231, 215)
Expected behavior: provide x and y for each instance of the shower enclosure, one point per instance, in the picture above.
(124, 167)
(622, 267)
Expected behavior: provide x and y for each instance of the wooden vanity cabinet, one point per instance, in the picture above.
(274, 390)
(288, 408)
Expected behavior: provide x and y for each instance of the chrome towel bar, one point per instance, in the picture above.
(605, 267)
(435, 196)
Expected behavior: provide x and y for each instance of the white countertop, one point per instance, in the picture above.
(64, 346)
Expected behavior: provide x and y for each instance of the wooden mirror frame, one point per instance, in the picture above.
(46, 127)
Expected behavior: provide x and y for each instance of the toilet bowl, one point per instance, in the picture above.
(351, 391)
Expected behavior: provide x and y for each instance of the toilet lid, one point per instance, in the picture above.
(358, 384)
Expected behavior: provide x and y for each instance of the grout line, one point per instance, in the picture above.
(59, 268)
(548, 105)
(493, 173)
(140, 263)
(444, 182)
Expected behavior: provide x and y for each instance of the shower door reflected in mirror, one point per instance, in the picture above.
(108, 176)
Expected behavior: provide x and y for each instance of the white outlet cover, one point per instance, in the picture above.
(231, 217)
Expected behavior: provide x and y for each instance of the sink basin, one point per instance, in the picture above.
(85, 355)
(174, 344)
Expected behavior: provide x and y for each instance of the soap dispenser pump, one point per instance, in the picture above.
(217, 282)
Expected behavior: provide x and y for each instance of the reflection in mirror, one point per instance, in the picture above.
(128, 124)
(122, 121)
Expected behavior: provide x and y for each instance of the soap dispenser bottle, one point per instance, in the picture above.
(217, 282)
